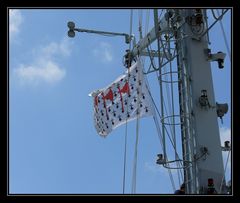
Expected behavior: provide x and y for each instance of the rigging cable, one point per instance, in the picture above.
(160, 138)
(154, 67)
(173, 110)
(146, 29)
(159, 133)
(134, 176)
(171, 130)
(154, 116)
(173, 113)
(225, 168)
(160, 118)
(126, 125)
(125, 156)
(214, 16)
(152, 63)
(158, 36)
(157, 27)
(224, 37)
(140, 23)
(210, 27)
(162, 11)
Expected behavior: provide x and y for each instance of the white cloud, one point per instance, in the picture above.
(49, 50)
(43, 68)
(63, 48)
(104, 52)
(15, 21)
(48, 72)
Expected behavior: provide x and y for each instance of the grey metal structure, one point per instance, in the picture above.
(202, 153)
(202, 160)
(204, 145)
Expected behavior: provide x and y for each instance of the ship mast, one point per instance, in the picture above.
(200, 134)
(202, 160)
(201, 146)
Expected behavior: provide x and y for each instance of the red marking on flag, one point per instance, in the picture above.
(108, 96)
(125, 89)
(96, 102)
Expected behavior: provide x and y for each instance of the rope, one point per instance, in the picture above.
(140, 23)
(146, 29)
(134, 177)
(160, 14)
(210, 27)
(214, 16)
(125, 156)
(147, 21)
(224, 37)
(225, 168)
(160, 72)
(126, 125)
(131, 20)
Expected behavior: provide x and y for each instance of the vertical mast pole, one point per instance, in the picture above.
(200, 132)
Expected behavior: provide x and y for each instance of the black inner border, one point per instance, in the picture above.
(5, 4)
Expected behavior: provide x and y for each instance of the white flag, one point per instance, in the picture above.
(123, 100)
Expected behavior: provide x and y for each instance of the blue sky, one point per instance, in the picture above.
(54, 147)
